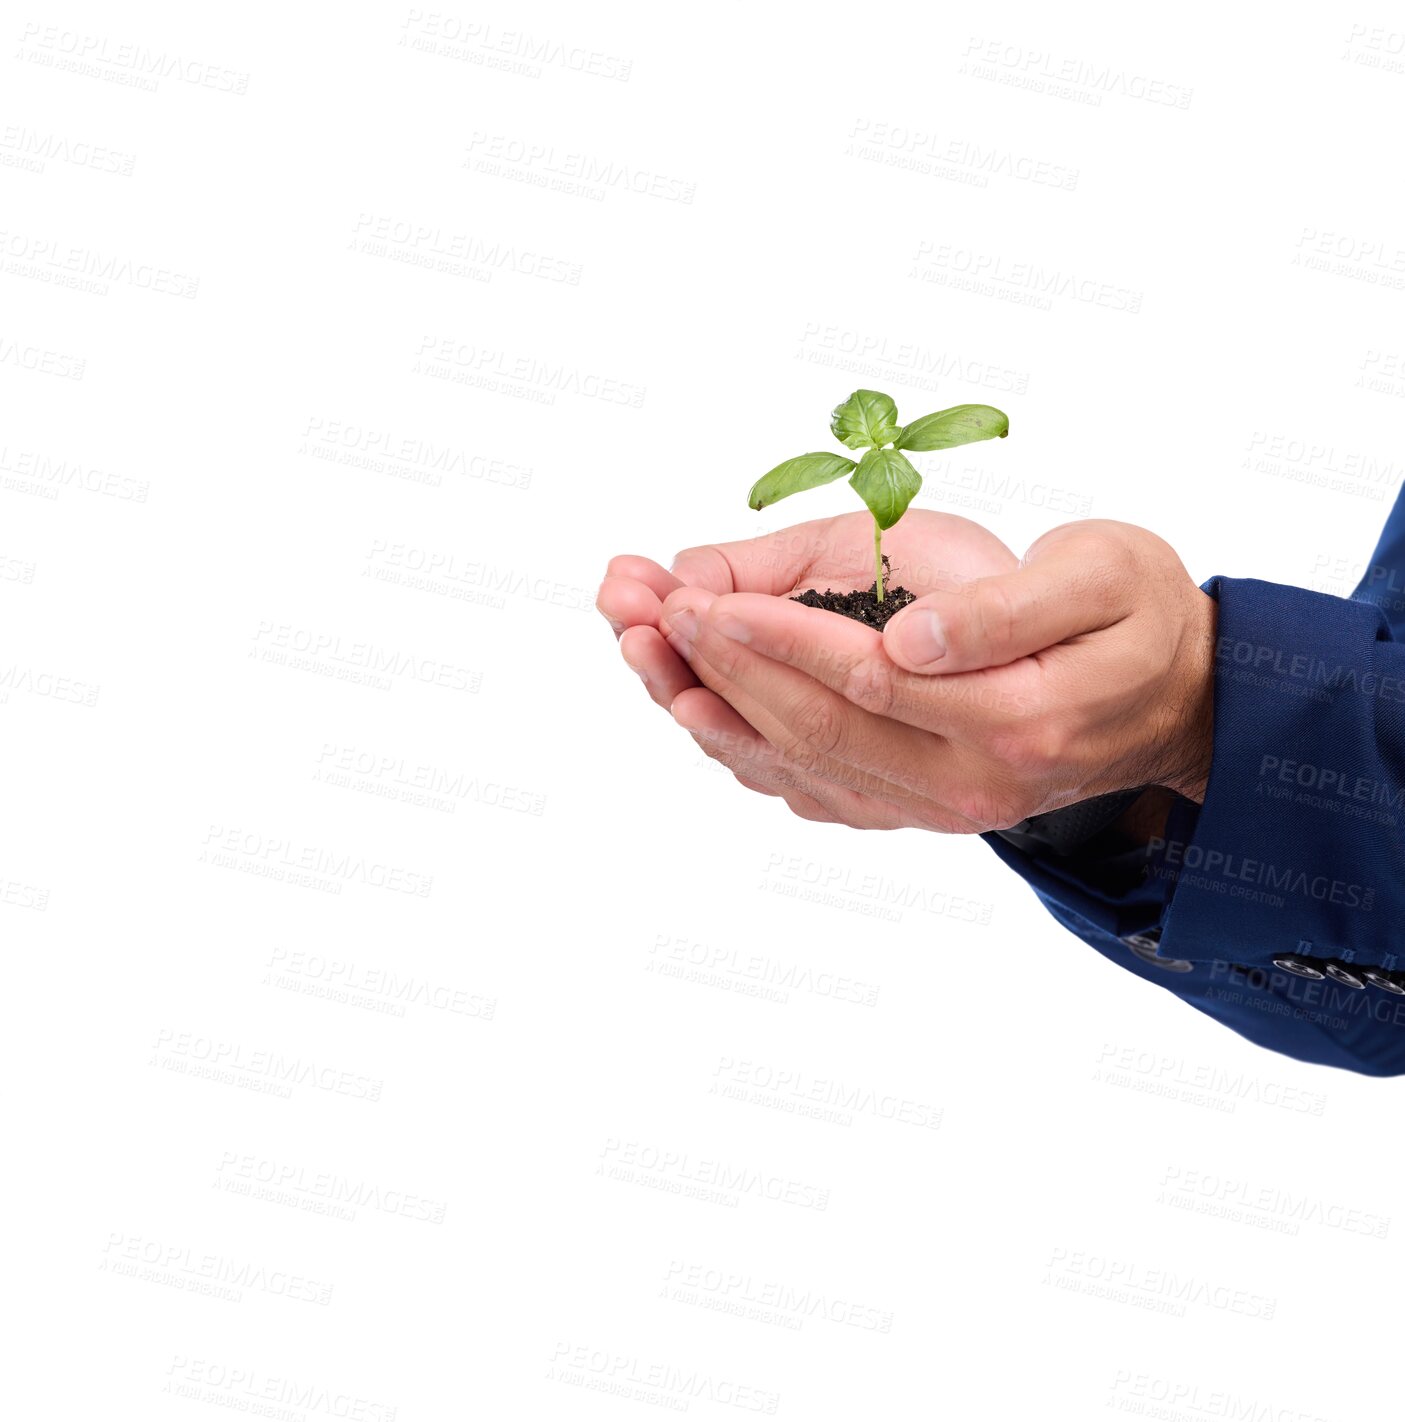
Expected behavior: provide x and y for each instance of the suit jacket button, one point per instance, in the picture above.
(1387, 981)
(1340, 974)
(1145, 941)
(1296, 965)
(1143, 946)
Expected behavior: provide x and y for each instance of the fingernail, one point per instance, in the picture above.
(731, 626)
(920, 636)
(641, 674)
(618, 626)
(682, 628)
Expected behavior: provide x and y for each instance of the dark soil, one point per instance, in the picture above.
(863, 606)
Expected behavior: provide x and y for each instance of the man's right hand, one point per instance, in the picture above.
(928, 552)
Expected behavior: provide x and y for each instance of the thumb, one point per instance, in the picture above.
(771, 564)
(1075, 580)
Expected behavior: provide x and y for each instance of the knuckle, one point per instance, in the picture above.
(1035, 749)
(687, 556)
(716, 750)
(995, 618)
(993, 808)
(746, 757)
(800, 754)
(808, 809)
(704, 565)
(786, 779)
(982, 810)
(784, 647)
(868, 682)
(817, 730)
(1111, 557)
(721, 653)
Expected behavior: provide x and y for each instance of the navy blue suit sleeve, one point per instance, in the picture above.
(1279, 906)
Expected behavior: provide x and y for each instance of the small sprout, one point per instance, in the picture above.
(882, 477)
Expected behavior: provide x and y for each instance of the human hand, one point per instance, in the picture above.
(1086, 669)
(928, 551)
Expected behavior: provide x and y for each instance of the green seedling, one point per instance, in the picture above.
(883, 477)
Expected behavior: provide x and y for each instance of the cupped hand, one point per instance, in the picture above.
(1087, 668)
(928, 551)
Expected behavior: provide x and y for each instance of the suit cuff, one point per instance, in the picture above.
(1295, 849)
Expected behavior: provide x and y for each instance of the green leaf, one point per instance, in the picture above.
(805, 471)
(887, 483)
(962, 424)
(866, 418)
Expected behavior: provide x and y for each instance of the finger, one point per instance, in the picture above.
(626, 602)
(726, 738)
(775, 563)
(852, 661)
(1079, 579)
(664, 673)
(653, 575)
(853, 753)
(849, 756)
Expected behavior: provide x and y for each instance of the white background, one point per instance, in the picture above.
(294, 381)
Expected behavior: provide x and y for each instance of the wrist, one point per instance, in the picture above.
(1193, 705)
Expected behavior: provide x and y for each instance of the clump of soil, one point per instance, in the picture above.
(863, 606)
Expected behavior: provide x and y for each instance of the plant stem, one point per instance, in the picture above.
(878, 558)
